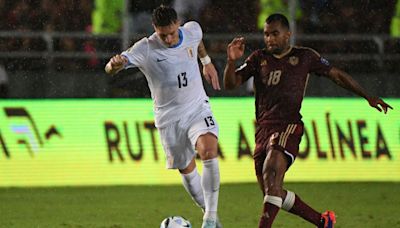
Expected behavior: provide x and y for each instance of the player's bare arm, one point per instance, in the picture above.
(346, 81)
(234, 51)
(209, 71)
(116, 64)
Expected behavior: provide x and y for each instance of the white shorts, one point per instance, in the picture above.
(179, 138)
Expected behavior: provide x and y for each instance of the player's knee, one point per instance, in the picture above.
(188, 169)
(207, 151)
(207, 154)
(275, 190)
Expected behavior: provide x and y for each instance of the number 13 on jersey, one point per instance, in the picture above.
(182, 80)
(209, 121)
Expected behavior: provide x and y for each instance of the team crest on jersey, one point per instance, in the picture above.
(293, 60)
(263, 62)
(190, 52)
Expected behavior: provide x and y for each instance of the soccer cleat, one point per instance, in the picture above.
(328, 218)
(208, 223)
(218, 225)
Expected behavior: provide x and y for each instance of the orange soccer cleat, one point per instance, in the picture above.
(328, 218)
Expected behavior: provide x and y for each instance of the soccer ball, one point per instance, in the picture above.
(175, 222)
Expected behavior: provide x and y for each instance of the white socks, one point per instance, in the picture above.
(210, 183)
(192, 184)
(205, 197)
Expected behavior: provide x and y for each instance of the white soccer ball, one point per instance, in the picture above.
(175, 222)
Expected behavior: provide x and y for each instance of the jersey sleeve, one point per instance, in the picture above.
(249, 67)
(137, 54)
(318, 64)
(195, 29)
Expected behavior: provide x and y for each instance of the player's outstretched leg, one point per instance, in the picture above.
(293, 204)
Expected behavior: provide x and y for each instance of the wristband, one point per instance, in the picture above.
(205, 60)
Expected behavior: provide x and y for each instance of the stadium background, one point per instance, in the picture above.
(64, 123)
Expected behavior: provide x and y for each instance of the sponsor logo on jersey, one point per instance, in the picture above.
(263, 63)
(160, 60)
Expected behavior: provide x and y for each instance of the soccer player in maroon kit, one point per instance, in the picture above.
(280, 74)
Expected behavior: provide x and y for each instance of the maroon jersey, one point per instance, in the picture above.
(280, 82)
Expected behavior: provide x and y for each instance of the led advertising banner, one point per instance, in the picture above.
(115, 142)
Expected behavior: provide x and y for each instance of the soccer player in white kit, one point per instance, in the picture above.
(183, 117)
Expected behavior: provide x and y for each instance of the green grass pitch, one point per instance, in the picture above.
(357, 205)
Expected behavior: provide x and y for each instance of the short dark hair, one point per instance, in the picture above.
(278, 17)
(164, 16)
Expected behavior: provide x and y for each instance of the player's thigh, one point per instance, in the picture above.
(287, 141)
(203, 132)
(275, 164)
(177, 147)
(260, 152)
(281, 137)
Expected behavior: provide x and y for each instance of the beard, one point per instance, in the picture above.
(275, 50)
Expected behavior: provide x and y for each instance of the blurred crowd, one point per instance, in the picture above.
(25, 16)
(45, 15)
(315, 16)
(215, 16)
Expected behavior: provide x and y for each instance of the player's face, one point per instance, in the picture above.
(168, 34)
(276, 37)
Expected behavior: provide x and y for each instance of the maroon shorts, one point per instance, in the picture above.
(283, 137)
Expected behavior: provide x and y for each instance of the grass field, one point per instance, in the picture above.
(361, 205)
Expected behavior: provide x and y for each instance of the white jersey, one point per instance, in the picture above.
(172, 73)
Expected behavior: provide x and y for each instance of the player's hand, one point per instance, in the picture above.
(118, 62)
(211, 75)
(235, 49)
(379, 104)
